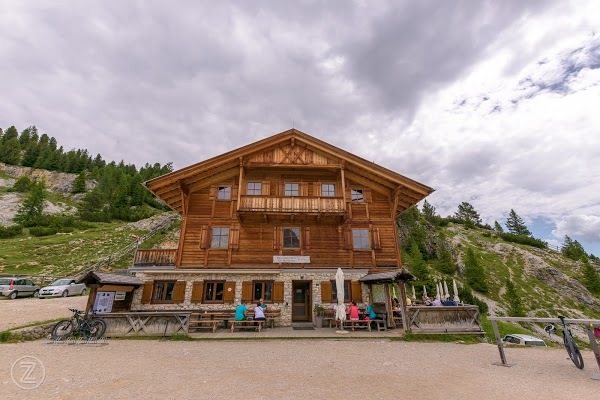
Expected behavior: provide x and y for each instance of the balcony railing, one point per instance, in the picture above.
(288, 204)
(157, 257)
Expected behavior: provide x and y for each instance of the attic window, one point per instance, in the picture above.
(357, 196)
(224, 193)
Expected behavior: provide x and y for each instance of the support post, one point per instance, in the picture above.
(594, 344)
(402, 300)
(502, 362)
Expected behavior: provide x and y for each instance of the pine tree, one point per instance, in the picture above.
(428, 211)
(591, 277)
(572, 249)
(446, 265)
(474, 272)
(466, 213)
(32, 207)
(498, 227)
(515, 306)
(516, 225)
(32, 152)
(10, 134)
(10, 151)
(23, 184)
(418, 266)
(79, 183)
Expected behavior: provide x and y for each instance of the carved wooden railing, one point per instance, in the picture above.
(158, 257)
(292, 204)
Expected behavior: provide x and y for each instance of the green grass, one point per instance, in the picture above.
(447, 338)
(10, 337)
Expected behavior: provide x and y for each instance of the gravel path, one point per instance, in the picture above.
(298, 369)
(21, 312)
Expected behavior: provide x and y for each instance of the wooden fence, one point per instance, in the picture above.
(445, 319)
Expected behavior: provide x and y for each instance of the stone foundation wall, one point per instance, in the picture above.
(285, 276)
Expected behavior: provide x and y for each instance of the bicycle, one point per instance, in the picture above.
(89, 327)
(569, 341)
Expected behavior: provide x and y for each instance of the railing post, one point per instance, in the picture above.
(503, 362)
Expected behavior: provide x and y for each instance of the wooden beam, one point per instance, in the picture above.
(184, 189)
(369, 183)
(239, 199)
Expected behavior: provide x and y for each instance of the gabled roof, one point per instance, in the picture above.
(170, 187)
(95, 277)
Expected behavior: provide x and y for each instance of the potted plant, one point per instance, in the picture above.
(319, 313)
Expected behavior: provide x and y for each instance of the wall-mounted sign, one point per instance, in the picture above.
(104, 302)
(291, 259)
(119, 296)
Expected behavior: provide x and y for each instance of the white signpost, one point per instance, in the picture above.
(291, 259)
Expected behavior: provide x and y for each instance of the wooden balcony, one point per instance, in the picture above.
(292, 205)
(155, 257)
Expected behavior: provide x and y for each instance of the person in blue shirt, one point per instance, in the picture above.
(240, 312)
(370, 312)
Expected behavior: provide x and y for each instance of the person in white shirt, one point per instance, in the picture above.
(437, 302)
(259, 314)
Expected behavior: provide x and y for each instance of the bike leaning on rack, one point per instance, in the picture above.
(569, 341)
(89, 327)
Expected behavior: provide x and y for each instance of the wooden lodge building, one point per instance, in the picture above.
(274, 220)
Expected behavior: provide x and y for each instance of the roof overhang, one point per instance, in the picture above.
(388, 277)
(103, 278)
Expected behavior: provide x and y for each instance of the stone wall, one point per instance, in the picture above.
(35, 332)
(316, 276)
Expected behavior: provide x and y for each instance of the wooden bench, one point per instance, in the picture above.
(247, 324)
(358, 323)
(204, 324)
(398, 321)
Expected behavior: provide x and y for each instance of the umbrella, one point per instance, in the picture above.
(446, 292)
(341, 308)
(424, 291)
(437, 289)
(456, 299)
(414, 295)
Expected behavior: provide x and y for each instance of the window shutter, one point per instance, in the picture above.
(277, 233)
(356, 292)
(348, 245)
(234, 192)
(197, 291)
(367, 195)
(213, 192)
(179, 292)
(280, 188)
(234, 237)
(247, 291)
(147, 292)
(205, 237)
(303, 188)
(306, 238)
(376, 242)
(326, 292)
(265, 188)
(277, 292)
(317, 189)
(229, 292)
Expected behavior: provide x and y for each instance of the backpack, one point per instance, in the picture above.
(597, 332)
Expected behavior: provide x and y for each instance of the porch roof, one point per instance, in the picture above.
(95, 277)
(388, 277)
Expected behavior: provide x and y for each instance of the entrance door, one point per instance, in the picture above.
(301, 301)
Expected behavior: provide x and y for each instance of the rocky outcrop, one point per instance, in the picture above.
(61, 182)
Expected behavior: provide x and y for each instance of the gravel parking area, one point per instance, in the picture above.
(297, 369)
(21, 312)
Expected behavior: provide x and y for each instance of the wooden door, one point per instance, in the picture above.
(301, 301)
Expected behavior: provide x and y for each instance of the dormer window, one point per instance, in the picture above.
(292, 189)
(357, 196)
(224, 193)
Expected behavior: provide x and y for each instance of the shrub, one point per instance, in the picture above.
(10, 231)
(23, 184)
(467, 297)
(522, 239)
(43, 230)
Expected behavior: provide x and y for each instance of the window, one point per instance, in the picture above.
(347, 294)
(220, 238)
(357, 196)
(224, 193)
(327, 190)
(292, 189)
(213, 292)
(163, 292)
(262, 290)
(291, 238)
(254, 189)
(360, 238)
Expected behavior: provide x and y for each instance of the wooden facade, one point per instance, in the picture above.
(237, 208)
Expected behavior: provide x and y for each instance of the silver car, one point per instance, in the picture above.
(18, 287)
(62, 288)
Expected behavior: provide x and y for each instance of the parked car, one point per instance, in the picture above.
(62, 288)
(18, 287)
(523, 340)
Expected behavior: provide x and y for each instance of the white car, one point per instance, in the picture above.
(63, 288)
(524, 340)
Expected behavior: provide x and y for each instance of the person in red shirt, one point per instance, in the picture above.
(353, 311)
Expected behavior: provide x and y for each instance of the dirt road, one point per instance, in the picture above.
(299, 369)
(21, 312)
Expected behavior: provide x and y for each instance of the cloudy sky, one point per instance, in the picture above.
(492, 102)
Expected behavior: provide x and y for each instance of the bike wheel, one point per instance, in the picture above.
(95, 329)
(574, 355)
(62, 329)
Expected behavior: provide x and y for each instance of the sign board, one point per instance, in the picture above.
(104, 302)
(119, 296)
(291, 259)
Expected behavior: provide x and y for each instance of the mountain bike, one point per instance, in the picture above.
(569, 341)
(89, 327)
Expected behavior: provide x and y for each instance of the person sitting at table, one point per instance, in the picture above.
(437, 302)
(428, 301)
(259, 314)
(369, 312)
(450, 302)
(262, 304)
(353, 311)
(240, 311)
